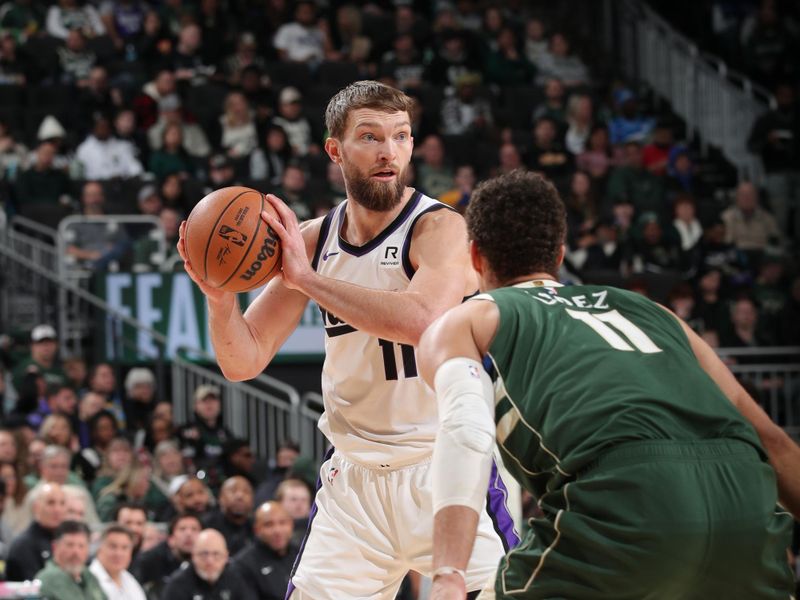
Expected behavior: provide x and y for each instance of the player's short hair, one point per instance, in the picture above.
(363, 94)
(518, 222)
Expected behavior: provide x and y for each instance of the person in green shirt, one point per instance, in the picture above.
(43, 358)
(66, 576)
(657, 475)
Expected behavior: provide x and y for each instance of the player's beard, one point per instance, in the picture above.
(371, 194)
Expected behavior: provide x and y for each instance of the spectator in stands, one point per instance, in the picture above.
(654, 250)
(749, 227)
(238, 135)
(111, 563)
(466, 113)
(22, 18)
(434, 175)
(167, 464)
(303, 40)
(76, 505)
(203, 437)
(597, 159)
(717, 253)
(767, 43)
(507, 65)
(15, 519)
(267, 564)
(149, 201)
(579, 123)
(554, 106)
(159, 429)
(154, 48)
(535, 42)
(133, 517)
(102, 380)
(295, 497)
(744, 330)
(688, 227)
(69, 15)
(680, 173)
(349, 41)
(680, 300)
(42, 183)
(146, 105)
(451, 60)
(559, 63)
(188, 494)
(771, 295)
(268, 162)
(98, 96)
(285, 457)
(775, 137)
(156, 565)
(12, 154)
(30, 549)
(43, 357)
(292, 120)
(221, 173)
(256, 87)
(547, 153)
(598, 249)
(125, 130)
(635, 184)
(66, 576)
(140, 391)
(16, 68)
(8, 447)
(170, 157)
(117, 457)
(75, 60)
(407, 21)
(208, 572)
(232, 518)
(509, 158)
(56, 430)
(193, 139)
(89, 405)
(403, 65)
(465, 181)
(246, 55)
(102, 430)
(145, 249)
(75, 368)
(293, 191)
(656, 154)
(187, 59)
(102, 156)
(124, 22)
(582, 206)
(239, 460)
(53, 467)
(130, 485)
(629, 124)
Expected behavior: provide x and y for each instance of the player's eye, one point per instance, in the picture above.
(402, 136)
(368, 137)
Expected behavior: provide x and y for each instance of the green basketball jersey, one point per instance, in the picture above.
(580, 369)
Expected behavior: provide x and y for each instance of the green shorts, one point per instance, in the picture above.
(658, 520)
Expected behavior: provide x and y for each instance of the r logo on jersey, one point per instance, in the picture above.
(390, 256)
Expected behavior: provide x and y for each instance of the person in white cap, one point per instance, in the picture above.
(43, 358)
(294, 123)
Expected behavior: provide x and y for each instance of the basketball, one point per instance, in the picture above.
(228, 243)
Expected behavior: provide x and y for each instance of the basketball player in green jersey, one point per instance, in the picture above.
(616, 416)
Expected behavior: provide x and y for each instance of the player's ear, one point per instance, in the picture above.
(561, 254)
(333, 150)
(475, 257)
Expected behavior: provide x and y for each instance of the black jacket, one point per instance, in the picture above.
(187, 585)
(28, 553)
(236, 537)
(154, 567)
(265, 571)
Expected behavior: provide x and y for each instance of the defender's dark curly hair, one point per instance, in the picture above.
(518, 222)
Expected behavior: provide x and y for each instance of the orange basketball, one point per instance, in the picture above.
(228, 243)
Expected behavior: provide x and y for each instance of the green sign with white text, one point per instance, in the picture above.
(171, 304)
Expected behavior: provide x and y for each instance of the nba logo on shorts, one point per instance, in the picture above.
(332, 474)
(473, 372)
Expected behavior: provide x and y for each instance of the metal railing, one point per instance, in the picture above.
(718, 104)
(264, 410)
(312, 441)
(772, 376)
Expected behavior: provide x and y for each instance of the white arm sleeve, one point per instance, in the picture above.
(462, 456)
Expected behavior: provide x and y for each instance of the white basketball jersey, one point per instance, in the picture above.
(378, 410)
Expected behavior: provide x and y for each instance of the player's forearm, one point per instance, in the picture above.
(784, 456)
(454, 530)
(236, 350)
(397, 316)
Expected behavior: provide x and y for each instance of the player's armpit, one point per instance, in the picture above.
(783, 452)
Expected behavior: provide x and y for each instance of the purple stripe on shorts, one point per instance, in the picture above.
(311, 515)
(498, 511)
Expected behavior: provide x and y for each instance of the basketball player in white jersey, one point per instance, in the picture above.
(382, 266)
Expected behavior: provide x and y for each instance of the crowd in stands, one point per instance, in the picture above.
(87, 465)
(127, 107)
